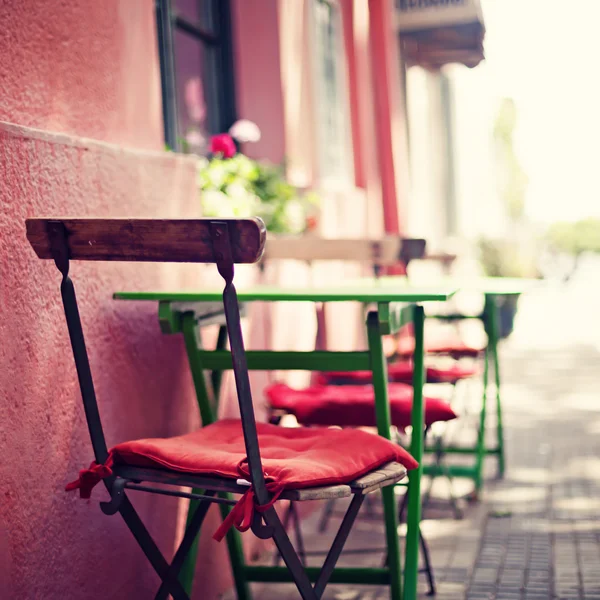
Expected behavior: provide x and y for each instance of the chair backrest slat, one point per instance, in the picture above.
(153, 240)
(384, 251)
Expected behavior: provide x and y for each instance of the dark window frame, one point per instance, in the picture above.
(219, 67)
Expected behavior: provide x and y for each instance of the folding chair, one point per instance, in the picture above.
(351, 406)
(401, 372)
(225, 456)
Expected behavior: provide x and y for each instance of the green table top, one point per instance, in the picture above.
(491, 286)
(401, 291)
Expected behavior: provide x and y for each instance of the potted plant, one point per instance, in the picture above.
(573, 239)
(233, 185)
(506, 258)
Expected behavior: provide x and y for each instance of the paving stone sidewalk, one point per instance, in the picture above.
(536, 533)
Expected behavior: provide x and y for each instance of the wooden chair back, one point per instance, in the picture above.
(220, 241)
(385, 251)
(152, 240)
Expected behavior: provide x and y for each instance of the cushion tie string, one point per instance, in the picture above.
(242, 513)
(240, 516)
(89, 478)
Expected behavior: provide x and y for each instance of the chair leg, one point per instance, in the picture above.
(370, 505)
(428, 568)
(298, 533)
(327, 512)
(236, 557)
(499, 424)
(427, 564)
(186, 543)
(439, 456)
(150, 549)
(286, 524)
(481, 430)
(290, 558)
(292, 516)
(402, 506)
(338, 543)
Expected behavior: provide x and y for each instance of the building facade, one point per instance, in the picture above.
(91, 92)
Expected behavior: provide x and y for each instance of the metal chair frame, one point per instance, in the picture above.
(51, 239)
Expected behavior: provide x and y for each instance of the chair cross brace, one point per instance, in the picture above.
(168, 573)
(120, 484)
(274, 528)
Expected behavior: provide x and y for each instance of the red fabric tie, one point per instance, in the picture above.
(240, 516)
(89, 478)
(242, 513)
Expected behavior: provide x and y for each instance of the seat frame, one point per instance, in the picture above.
(134, 240)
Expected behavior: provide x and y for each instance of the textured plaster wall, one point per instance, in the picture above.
(84, 67)
(52, 544)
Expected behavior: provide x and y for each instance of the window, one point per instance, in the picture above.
(331, 92)
(196, 61)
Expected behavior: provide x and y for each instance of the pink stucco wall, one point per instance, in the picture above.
(82, 67)
(86, 70)
(53, 544)
(89, 70)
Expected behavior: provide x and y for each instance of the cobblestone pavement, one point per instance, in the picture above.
(535, 534)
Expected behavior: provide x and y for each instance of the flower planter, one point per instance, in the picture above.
(507, 310)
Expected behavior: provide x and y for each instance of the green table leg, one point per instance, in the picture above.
(480, 445)
(492, 321)
(382, 414)
(216, 376)
(207, 414)
(411, 567)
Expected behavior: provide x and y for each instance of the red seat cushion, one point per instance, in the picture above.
(399, 372)
(352, 405)
(293, 458)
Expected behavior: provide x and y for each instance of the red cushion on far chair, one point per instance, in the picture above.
(399, 372)
(352, 405)
(454, 348)
(450, 374)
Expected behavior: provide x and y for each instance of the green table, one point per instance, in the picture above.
(183, 312)
(493, 289)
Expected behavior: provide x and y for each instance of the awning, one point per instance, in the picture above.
(434, 33)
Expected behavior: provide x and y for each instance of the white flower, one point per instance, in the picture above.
(236, 190)
(216, 174)
(216, 204)
(202, 162)
(245, 131)
(295, 216)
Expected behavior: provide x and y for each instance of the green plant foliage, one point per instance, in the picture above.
(242, 187)
(577, 237)
(513, 180)
(503, 258)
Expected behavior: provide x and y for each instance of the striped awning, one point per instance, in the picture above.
(434, 33)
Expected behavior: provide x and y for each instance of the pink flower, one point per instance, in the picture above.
(311, 223)
(222, 144)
